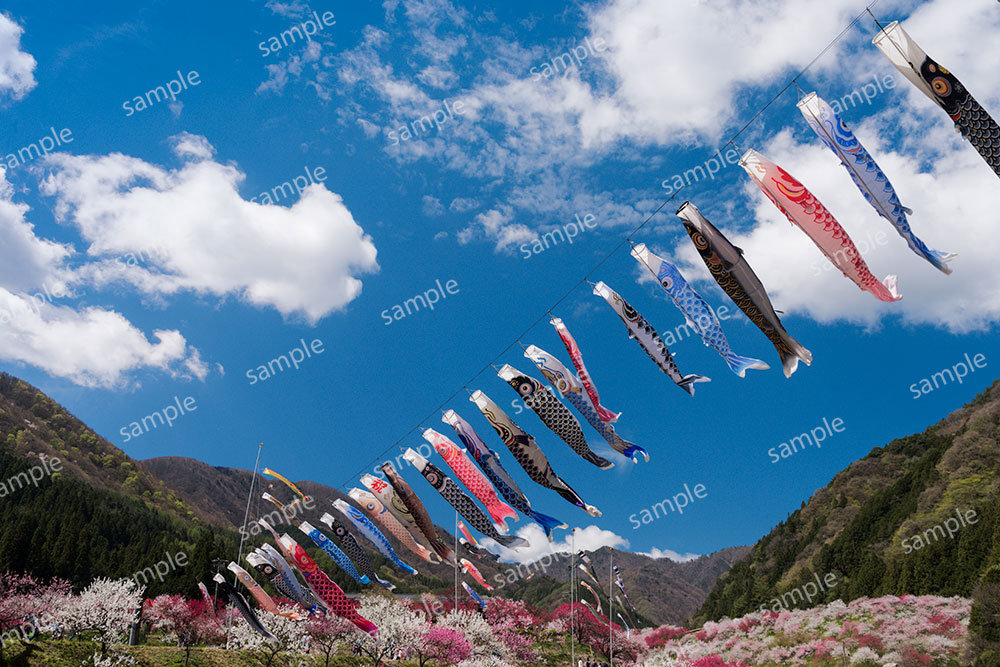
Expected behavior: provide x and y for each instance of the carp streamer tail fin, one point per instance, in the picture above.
(687, 383)
(740, 365)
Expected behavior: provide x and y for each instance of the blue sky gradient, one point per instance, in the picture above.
(529, 169)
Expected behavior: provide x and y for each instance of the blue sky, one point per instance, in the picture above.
(230, 284)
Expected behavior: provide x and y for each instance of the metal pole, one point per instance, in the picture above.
(456, 560)
(611, 604)
(572, 593)
(243, 536)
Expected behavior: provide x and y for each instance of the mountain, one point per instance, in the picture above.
(920, 515)
(98, 512)
(75, 506)
(663, 591)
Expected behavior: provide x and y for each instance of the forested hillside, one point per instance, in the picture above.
(897, 521)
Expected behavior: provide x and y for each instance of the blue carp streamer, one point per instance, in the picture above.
(334, 552)
(867, 175)
(699, 315)
(371, 533)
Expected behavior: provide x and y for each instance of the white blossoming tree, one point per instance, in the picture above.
(477, 631)
(399, 628)
(106, 607)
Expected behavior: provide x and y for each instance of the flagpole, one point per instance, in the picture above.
(243, 536)
(456, 560)
(611, 604)
(572, 590)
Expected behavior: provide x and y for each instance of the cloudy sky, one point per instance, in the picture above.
(284, 190)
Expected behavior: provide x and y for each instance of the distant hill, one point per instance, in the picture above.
(888, 523)
(662, 590)
(105, 514)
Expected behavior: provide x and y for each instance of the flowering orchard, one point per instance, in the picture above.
(907, 630)
(432, 632)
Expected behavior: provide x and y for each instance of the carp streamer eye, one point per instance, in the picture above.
(941, 86)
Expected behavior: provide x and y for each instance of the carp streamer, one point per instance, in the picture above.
(332, 595)
(417, 510)
(473, 479)
(394, 509)
(462, 503)
(474, 572)
(334, 552)
(371, 533)
(237, 600)
(726, 264)
(489, 462)
(970, 118)
(648, 339)
(553, 414)
(350, 546)
(474, 595)
(867, 175)
(278, 476)
(527, 453)
(570, 386)
(604, 414)
(808, 214)
(263, 599)
(697, 313)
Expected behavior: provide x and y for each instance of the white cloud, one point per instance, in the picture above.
(91, 347)
(302, 260)
(670, 554)
(496, 226)
(432, 206)
(955, 209)
(29, 262)
(462, 204)
(17, 67)
(589, 538)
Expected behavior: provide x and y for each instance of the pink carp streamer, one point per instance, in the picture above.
(474, 480)
(807, 213)
(474, 572)
(332, 595)
(605, 414)
(263, 599)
